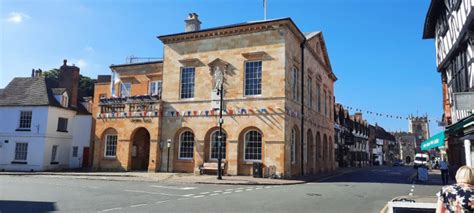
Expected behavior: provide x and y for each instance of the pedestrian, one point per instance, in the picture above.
(444, 171)
(458, 197)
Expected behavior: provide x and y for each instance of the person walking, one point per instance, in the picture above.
(458, 197)
(444, 171)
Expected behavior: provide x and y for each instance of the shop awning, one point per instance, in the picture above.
(435, 141)
(463, 123)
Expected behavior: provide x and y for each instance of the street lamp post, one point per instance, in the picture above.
(168, 145)
(219, 142)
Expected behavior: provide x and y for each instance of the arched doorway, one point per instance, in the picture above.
(140, 149)
(310, 152)
(408, 160)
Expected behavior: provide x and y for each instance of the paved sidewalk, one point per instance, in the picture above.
(186, 178)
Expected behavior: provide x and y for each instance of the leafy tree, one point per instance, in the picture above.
(86, 84)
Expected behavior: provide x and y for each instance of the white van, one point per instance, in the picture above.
(421, 159)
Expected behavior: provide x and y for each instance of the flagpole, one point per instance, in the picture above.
(264, 9)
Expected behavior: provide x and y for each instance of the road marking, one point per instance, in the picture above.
(214, 194)
(203, 193)
(138, 205)
(198, 196)
(153, 193)
(238, 191)
(226, 192)
(248, 189)
(239, 188)
(184, 198)
(218, 191)
(174, 187)
(411, 190)
(162, 201)
(112, 209)
(231, 189)
(188, 195)
(267, 187)
(411, 194)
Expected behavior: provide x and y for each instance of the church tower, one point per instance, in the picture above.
(419, 126)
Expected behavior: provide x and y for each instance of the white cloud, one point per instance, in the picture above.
(81, 63)
(16, 17)
(89, 49)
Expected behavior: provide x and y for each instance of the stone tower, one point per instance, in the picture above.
(419, 127)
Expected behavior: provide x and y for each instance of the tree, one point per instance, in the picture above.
(86, 84)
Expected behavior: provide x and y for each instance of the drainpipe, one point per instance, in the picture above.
(302, 105)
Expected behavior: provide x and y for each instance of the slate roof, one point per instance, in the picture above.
(28, 91)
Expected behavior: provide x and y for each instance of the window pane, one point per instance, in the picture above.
(25, 119)
(21, 151)
(111, 146)
(125, 89)
(187, 82)
(54, 151)
(75, 150)
(215, 147)
(253, 146)
(186, 145)
(253, 78)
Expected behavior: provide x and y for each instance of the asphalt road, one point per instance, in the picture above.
(365, 190)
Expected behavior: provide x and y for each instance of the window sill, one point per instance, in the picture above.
(23, 130)
(110, 158)
(185, 159)
(18, 162)
(61, 131)
(250, 162)
(54, 163)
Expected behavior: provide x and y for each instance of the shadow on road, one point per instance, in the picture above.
(14, 206)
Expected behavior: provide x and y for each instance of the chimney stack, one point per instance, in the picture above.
(192, 23)
(33, 73)
(358, 116)
(69, 79)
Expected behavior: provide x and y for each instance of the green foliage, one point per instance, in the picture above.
(86, 84)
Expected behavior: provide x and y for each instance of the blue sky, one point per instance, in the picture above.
(375, 47)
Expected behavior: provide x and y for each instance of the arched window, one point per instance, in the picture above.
(253, 146)
(186, 145)
(293, 145)
(215, 145)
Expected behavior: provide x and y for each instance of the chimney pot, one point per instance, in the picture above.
(192, 23)
(33, 73)
(64, 62)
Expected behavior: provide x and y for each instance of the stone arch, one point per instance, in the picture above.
(208, 139)
(244, 167)
(310, 152)
(139, 150)
(184, 163)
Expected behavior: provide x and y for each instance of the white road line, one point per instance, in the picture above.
(411, 194)
(153, 193)
(188, 195)
(238, 191)
(184, 198)
(198, 196)
(248, 189)
(239, 188)
(112, 209)
(267, 187)
(174, 187)
(138, 205)
(258, 188)
(214, 194)
(162, 201)
(231, 189)
(226, 192)
(411, 190)
(203, 193)
(218, 191)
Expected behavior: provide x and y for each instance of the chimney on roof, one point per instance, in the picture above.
(358, 116)
(192, 23)
(33, 73)
(69, 79)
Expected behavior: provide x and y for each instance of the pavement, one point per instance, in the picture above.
(187, 178)
(348, 190)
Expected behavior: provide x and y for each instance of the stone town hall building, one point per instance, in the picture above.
(272, 71)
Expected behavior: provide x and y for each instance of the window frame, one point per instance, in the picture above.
(22, 119)
(128, 90)
(293, 146)
(54, 153)
(180, 141)
(156, 92)
(260, 80)
(245, 146)
(75, 151)
(106, 146)
(319, 98)
(181, 83)
(211, 146)
(310, 91)
(294, 83)
(23, 151)
(65, 120)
